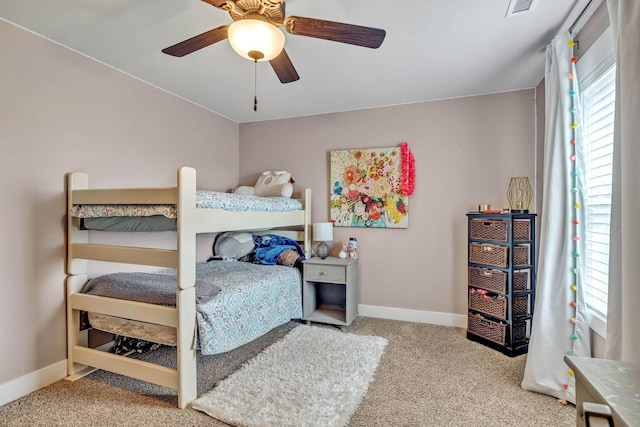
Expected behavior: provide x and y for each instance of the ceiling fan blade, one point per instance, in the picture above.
(284, 69)
(198, 42)
(336, 31)
(216, 3)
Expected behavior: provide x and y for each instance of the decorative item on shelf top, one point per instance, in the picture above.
(519, 194)
(345, 250)
(353, 248)
(323, 233)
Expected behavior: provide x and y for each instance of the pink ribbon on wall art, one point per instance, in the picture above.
(408, 170)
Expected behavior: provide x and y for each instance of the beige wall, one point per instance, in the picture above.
(62, 112)
(466, 150)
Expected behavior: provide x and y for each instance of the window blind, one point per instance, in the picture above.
(598, 100)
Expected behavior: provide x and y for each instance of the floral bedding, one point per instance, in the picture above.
(253, 299)
(204, 199)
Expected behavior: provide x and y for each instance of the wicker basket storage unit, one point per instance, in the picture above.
(496, 280)
(501, 281)
(488, 230)
(496, 305)
(495, 331)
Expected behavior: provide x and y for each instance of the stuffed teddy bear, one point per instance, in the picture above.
(269, 184)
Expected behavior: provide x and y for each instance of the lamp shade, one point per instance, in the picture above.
(519, 194)
(323, 231)
(256, 39)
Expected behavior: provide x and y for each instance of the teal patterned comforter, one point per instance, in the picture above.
(253, 300)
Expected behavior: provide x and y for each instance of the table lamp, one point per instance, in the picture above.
(519, 194)
(323, 233)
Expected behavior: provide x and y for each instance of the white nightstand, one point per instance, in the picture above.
(330, 290)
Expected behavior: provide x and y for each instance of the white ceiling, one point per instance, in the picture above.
(434, 49)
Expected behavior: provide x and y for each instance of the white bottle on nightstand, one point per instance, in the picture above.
(353, 248)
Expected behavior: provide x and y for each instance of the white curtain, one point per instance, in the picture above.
(623, 316)
(553, 332)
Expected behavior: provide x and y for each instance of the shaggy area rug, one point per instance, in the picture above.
(314, 376)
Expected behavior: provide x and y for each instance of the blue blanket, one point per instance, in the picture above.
(270, 246)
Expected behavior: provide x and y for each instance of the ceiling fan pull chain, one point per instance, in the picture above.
(255, 85)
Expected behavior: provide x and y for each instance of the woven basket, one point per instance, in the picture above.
(486, 278)
(496, 280)
(520, 281)
(487, 329)
(488, 230)
(496, 305)
(495, 331)
(520, 255)
(488, 254)
(521, 306)
(520, 332)
(522, 229)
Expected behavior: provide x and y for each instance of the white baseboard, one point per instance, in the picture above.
(29, 383)
(418, 316)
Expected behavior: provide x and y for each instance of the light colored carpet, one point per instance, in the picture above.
(429, 375)
(314, 377)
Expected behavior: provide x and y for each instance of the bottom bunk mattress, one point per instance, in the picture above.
(236, 302)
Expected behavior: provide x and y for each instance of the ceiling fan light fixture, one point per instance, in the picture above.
(251, 38)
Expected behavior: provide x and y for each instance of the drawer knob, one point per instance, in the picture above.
(322, 273)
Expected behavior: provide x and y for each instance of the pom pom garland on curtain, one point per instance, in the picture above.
(574, 222)
(560, 325)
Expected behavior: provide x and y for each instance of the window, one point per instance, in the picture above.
(596, 76)
(598, 115)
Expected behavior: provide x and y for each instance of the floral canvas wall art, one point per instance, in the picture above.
(366, 188)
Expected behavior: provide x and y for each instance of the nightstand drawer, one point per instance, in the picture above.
(324, 273)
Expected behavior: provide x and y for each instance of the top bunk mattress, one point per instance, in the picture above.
(163, 217)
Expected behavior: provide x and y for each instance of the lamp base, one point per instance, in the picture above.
(323, 250)
(519, 211)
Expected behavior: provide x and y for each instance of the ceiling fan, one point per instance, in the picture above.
(270, 14)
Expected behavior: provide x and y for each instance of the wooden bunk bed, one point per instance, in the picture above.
(191, 221)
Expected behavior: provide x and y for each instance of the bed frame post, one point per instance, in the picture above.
(76, 269)
(75, 337)
(75, 181)
(187, 358)
(186, 296)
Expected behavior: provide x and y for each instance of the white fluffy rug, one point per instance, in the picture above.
(314, 376)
